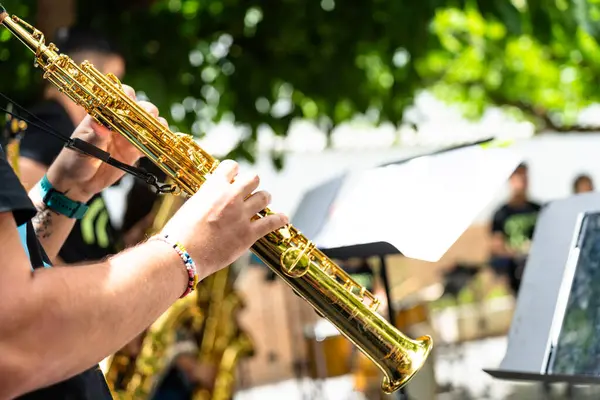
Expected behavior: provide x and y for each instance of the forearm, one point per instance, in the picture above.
(68, 319)
(52, 228)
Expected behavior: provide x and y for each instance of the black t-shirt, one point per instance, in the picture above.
(517, 225)
(93, 237)
(89, 385)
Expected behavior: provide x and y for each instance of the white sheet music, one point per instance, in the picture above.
(421, 207)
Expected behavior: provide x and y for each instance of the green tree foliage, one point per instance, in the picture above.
(271, 61)
(538, 58)
(216, 59)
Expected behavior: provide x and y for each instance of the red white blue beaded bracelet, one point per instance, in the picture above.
(190, 265)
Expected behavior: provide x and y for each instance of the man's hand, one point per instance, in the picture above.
(216, 225)
(82, 176)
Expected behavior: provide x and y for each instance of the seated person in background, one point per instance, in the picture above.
(94, 237)
(583, 184)
(513, 225)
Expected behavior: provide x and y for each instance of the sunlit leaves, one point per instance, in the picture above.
(481, 63)
(260, 63)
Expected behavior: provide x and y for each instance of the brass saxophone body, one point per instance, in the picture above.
(225, 380)
(208, 313)
(14, 131)
(222, 343)
(133, 375)
(292, 256)
(153, 361)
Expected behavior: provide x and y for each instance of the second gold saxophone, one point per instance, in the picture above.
(292, 256)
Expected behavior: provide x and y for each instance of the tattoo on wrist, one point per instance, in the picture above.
(42, 222)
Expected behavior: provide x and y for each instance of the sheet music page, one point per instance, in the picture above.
(421, 207)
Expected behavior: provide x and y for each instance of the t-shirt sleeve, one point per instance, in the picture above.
(13, 197)
(39, 145)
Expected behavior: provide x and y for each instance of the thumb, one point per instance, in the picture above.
(93, 133)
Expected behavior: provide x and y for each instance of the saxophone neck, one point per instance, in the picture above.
(29, 36)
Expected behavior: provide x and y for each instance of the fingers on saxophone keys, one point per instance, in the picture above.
(163, 122)
(257, 202)
(149, 107)
(270, 223)
(129, 91)
(227, 170)
(246, 184)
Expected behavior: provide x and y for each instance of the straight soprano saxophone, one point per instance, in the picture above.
(294, 258)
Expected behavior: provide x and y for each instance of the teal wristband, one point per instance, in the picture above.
(59, 202)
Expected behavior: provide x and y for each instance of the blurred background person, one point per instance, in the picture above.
(583, 183)
(94, 237)
(513, 225)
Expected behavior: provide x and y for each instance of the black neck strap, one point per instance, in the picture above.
(89, 149)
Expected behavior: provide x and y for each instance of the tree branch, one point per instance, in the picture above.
(541, 114)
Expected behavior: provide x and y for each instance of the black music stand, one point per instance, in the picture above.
(556, 304)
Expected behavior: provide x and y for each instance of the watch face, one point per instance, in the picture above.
(577, 349)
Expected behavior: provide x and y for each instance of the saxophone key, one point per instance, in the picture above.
(295, 261)
(362, 292)
(328, 269)
(374, 306)
(355, 312)
(286, 234)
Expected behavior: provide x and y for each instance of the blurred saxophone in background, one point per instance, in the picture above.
(222, 343)
(132, 372)
(12, 134)
(207, 318)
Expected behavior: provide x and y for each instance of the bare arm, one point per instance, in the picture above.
(30, 172)
(58, 321)
(52, 228)
(61, 321)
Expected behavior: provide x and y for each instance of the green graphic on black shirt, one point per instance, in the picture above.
(518, 229)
